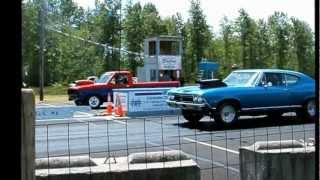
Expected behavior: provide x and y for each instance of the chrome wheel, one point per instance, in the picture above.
(94, 102)
(228, 114)
(311, 108)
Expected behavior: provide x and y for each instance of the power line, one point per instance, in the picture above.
(105, 46)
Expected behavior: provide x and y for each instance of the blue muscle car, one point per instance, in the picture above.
(269, 92)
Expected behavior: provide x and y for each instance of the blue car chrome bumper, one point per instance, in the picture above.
(185, 105)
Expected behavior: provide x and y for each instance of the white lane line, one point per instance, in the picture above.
(117, 121)
(79, 112)
(211, 145)
(200, 158)
(107, 118)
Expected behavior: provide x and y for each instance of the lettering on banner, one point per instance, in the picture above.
(144, 101)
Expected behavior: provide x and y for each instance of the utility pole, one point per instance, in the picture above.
(42, 16)
(120, 37)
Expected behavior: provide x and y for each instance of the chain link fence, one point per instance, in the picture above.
(214, 148)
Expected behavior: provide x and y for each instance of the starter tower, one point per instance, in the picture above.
(162, 59)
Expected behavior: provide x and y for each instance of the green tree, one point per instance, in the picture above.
(280, 34)
(248, 36)
(179, 27)
(70, 13)
(173, 24)
(227, 33)
(182, 31)
(264, 45)
(133, 27)
(67, 55)
(30, 47)
(304, 46)
(152, 23)
(280, 42)
(110, 24)
(199, 35)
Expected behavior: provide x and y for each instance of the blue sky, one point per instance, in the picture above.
(214, 10)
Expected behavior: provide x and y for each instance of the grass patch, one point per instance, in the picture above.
(56, 93)
(56, 89)
(49, 98)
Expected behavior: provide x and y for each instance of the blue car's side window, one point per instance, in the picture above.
(274, 79)
(291, 79)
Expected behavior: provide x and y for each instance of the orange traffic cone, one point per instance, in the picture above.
(119, 110)
(116, 105)
(109, 105)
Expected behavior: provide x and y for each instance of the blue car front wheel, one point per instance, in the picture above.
(227, 114)
(192, 116)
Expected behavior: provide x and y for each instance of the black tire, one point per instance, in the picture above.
(224, 110)
(192, 116)
(94, 101)
(308, 111)
(78, 103)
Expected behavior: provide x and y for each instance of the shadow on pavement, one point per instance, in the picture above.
(246, 123)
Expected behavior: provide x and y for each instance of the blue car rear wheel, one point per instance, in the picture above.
(308, 112)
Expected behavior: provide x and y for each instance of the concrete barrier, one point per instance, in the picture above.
(159, 156)
(59, 112)
(27, 134)
(64, 161)
(176, 167)
(277, 160)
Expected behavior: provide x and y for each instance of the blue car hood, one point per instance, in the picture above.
(187, 90)
(196, 89)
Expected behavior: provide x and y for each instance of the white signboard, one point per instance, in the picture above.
(148, 101)
(169, 62)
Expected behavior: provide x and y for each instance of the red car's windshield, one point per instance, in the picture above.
(104, 78)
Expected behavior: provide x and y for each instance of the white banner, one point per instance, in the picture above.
(144, 101)
(169, 62)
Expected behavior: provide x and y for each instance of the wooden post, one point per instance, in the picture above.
(27, 134)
